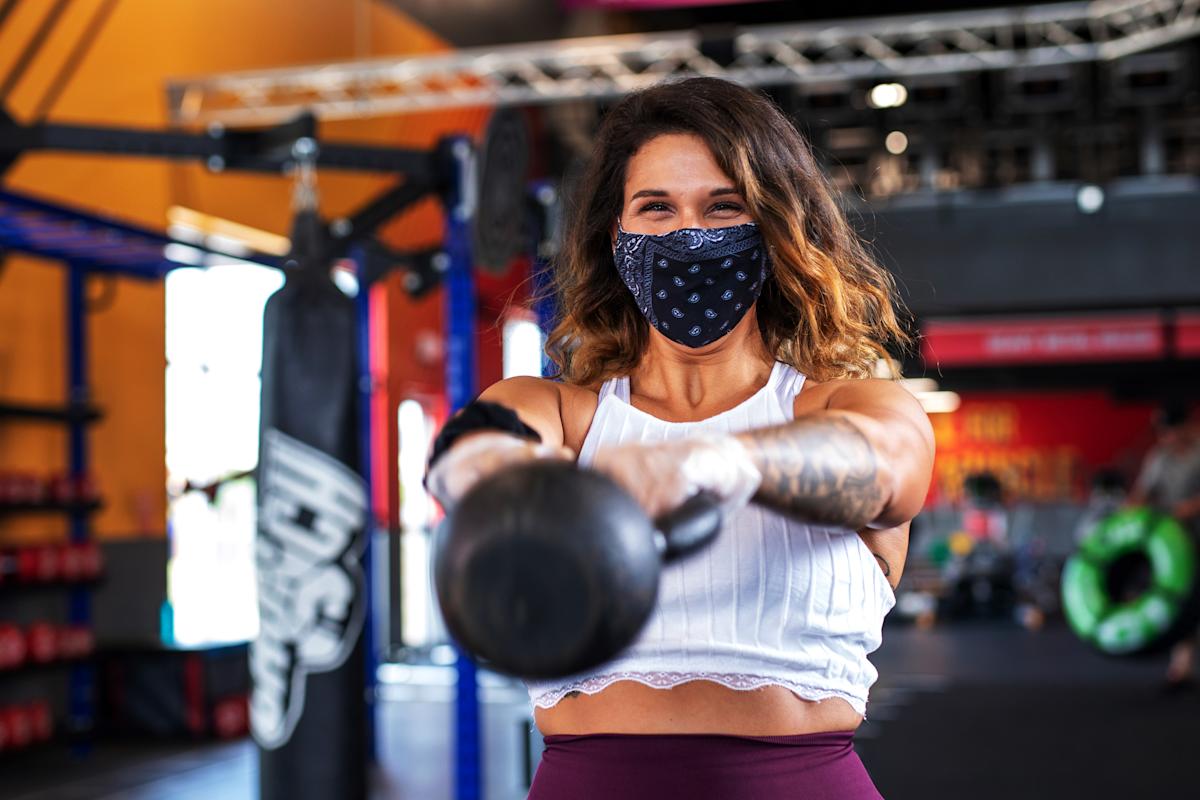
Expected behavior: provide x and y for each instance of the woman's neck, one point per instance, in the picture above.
(672, 376)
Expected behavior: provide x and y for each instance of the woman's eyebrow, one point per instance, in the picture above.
(723, 190)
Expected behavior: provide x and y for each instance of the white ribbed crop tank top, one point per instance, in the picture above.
(770, 602)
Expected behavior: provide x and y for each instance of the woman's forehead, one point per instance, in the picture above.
(674, 163)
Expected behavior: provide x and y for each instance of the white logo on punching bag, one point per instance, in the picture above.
(311, 511)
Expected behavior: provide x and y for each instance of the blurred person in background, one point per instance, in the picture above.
(1107, 494)
(1169, 483)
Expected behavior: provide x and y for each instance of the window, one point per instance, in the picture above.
(420, 625)
(523, 341)
(214, 355)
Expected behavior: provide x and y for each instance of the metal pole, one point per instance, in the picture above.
(461, 389)
(17, 71)
(545, 248)
(69, 67)
(82, 680)
(365, 443)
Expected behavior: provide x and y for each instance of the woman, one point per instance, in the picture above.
(719, 321)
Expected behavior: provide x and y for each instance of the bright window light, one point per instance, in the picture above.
(183, 254)
(939, 402)
(919, 386)
(523, 341)
(415, 431)
(418, 617)
(214, 354)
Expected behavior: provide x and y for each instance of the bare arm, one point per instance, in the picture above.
(864, 461)
(537, 402)
(481, 452)
(890, 548)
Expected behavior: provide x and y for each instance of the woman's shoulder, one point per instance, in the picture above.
(556, 386)
(554, 408)
(819, 395)
(523, 389)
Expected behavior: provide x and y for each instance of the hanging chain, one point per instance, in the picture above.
(304, 190)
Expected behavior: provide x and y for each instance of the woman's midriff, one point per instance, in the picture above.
(695, 707)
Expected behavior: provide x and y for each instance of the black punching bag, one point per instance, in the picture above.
(308, 710)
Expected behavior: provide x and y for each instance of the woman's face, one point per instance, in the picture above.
(674, 182)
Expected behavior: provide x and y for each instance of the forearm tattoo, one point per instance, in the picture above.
(819, 470)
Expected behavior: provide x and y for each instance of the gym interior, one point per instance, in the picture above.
(255, 254)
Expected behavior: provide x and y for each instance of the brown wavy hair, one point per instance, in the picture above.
(827, 308)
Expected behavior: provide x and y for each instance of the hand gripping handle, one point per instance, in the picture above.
(689, 527)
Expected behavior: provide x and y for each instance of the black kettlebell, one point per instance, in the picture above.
(547, 569)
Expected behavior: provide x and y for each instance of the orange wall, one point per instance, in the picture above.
(121, 82)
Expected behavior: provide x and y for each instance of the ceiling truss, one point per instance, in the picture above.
(605, 67)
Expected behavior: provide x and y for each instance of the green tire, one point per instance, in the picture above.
(1158, 616)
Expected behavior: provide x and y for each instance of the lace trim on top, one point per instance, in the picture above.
(667, 680)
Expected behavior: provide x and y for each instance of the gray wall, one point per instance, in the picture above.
(1030, 248)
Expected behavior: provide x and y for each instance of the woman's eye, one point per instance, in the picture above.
(723, 206)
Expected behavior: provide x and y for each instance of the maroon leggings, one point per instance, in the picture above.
(616, 766)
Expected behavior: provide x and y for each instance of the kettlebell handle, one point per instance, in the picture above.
(689, 527)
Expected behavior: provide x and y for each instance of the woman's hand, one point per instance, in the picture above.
(662, 475)
(475, 457)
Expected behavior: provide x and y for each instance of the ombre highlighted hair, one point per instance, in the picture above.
(828, 309)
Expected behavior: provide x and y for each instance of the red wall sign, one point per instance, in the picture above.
(1187, 334)
(1042, 446)
(1060, 340)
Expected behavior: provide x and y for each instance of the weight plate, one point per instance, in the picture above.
(498, 232)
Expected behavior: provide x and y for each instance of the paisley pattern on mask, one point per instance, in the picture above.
(693, 284)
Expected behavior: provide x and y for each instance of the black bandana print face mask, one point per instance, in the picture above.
(694, 284)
